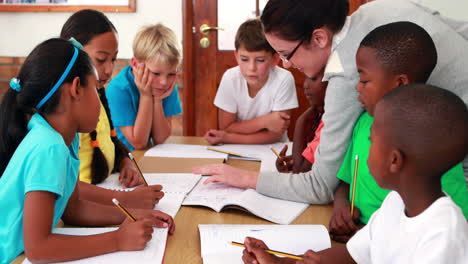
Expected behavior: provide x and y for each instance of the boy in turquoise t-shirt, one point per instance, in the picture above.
(390, 56)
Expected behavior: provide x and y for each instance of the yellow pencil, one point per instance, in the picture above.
(277, 155)
(223, 151)
(138, 168)
(279, 253)
(356, 162)
(127, 213)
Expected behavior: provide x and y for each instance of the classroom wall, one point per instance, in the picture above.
(20, 32)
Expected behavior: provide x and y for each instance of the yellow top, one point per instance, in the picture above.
(105, 143)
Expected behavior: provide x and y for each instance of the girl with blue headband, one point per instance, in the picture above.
(51, 100)
(101, 152)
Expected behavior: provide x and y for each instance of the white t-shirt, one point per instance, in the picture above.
(437, 235)
(278, 94)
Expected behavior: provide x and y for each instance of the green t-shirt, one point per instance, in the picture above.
(369, 196)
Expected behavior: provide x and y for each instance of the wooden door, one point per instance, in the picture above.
(204, 67)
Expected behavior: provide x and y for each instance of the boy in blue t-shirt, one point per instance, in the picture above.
(143, 97)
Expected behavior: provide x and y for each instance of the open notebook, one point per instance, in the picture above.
(293, 239)
(218, 196)
(175, 187)
(153, 253)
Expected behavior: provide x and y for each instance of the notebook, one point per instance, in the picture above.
(153, 253)
(175, 187)
(293, 239)
(218, 196)
(183, 151)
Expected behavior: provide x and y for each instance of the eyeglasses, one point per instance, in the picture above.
(288, 58)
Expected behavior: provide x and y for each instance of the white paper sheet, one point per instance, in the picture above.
(183, 151)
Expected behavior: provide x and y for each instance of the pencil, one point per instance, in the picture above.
(277, 155)
(279, 253)
(356, 162)
(138, 168)
(223, 151)
(127, 213)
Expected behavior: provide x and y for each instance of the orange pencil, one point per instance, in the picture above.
(278, 155)
(127, 213)
(138, 168)
(274, 252)
(356, 162)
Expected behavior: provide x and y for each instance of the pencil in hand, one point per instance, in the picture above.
(356, 162)
(138, 168)
(127, 213)
(274, 252)
(278, 155)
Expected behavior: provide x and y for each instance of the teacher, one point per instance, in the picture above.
(316, 36)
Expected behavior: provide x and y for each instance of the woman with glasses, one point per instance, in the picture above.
(316, 36)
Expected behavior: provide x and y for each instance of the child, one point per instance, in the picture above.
(40, 117)
(143, 96)
(417, 223)
(308, 127)
(382, 68)
(100, 151)
(255, 98)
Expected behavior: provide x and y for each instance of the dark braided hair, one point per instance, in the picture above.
(83, 26)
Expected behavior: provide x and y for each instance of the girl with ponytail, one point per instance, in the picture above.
(40, 118)
(101, 152)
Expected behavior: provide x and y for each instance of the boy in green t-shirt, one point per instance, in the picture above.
(388, 57)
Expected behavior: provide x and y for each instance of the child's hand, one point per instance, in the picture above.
(134, 235)
(143, 79)
(129, 176)
(277, 122)
(254, 252)
(159, 94)
(229, 175)
(342, 225)
(310, 257)
(214, 136)
(143, 197)
(283, 158)
(156, 217)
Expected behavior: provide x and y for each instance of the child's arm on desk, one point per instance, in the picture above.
(43, 246)
(276, 121)
(262, 137)
(342, 225)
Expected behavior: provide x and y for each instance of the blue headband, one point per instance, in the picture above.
(60, 81)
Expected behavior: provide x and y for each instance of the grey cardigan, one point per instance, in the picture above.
(342, 107)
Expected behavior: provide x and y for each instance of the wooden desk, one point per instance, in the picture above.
(184, 245)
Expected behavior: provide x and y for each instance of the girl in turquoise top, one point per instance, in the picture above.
(40, 117)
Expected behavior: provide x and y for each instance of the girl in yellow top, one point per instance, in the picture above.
(101, 153)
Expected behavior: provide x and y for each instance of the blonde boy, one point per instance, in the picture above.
(143, 97)
(254, 99)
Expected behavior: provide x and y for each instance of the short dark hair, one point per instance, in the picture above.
(251, 37)
(403, 47)
(429, 124)
(86, 24)
(296, 19)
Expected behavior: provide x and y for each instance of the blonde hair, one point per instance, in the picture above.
(156, 43)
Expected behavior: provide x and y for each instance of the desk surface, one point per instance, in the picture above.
(184, 245)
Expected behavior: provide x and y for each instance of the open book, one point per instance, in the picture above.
(175, 187)
(218, 196)
(153, 253)
(293, 239)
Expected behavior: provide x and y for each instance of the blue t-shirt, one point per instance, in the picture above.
(124, 99)
(42, 162)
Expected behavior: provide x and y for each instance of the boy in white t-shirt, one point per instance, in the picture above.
(254, 99)
(419, 132)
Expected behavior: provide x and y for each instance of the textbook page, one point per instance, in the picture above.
(293, 239)
(175, 187)
(153, 253)
(218, 195)
(183, 151)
